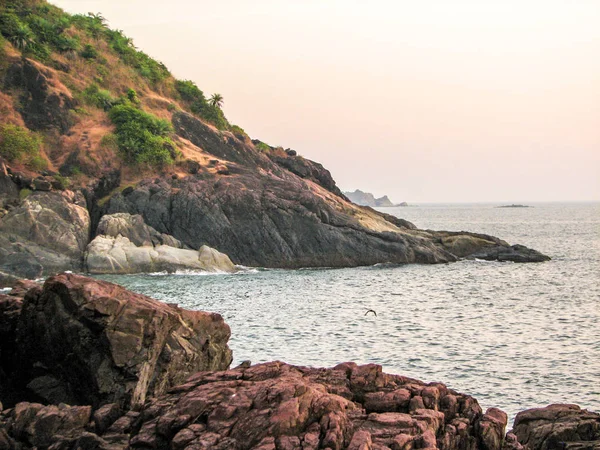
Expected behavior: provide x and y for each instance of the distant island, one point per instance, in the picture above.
(514, 206)
(367, 199)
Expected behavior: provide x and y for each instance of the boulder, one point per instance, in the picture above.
(121, 256)
(47, 233)
(557, 426)
(513, 253)
(125, 244)
(135, 229)
(40, 426)
(88, 342)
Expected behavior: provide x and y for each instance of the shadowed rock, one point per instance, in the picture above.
(89, 342)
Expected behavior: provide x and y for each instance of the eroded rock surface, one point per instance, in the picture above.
(125, 244)
(87, 342)
(45, 234)
(278, 406)
(556, 427)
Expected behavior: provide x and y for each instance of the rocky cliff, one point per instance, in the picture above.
(78, 145)
(94, 366)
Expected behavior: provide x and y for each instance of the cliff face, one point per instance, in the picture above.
(77, 144)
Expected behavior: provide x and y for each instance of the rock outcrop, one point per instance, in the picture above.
(367, 199)
(125, 244)
(555, 427)
(514, 253)
(277, 406)
(45, 234)
(87, 342)
(45, 102)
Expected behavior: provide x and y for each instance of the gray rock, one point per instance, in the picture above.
(47, 233)
(514, 253)
(119, 255)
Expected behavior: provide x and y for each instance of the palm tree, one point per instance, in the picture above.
(22, 37)
(216, 100)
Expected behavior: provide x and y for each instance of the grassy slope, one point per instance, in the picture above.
(113, 68)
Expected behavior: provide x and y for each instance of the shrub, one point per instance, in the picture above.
(89, 52)
(142, 138)
(24, 193)
(197, 103)
(238, 130)
(63, 182)
(18, 144)
(109, 141)
(189, 92)
(100, 98)
(263, 147)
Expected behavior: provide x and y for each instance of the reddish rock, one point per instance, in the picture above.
(103, 344)
(556, 427)
(278, 406)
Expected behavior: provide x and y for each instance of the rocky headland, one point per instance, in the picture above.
(86, 364)
(367, 199)
(139, 172)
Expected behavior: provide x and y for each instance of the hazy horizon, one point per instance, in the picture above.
(428, 102)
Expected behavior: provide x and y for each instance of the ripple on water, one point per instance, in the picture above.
(514, 336)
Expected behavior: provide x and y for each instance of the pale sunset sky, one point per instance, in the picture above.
(425, 101)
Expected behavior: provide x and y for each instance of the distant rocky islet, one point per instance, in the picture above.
(367, 199)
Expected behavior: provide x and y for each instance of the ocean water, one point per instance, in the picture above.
(514, 336)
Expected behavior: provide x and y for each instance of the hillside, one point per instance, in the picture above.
(91, 127)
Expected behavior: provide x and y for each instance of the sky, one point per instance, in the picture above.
(425, 101)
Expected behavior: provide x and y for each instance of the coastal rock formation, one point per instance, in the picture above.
(135, 229)
(260, 219)
(120, 256)
(46, 233)
(555, 427)
(278, 406)
(87, 342)
(513, 253)
(367, 199)
(125, 244)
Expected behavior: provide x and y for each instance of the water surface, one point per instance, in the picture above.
(514, 336)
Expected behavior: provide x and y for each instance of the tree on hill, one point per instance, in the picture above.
(216, 100)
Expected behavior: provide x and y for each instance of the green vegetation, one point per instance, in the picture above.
(99, 98)
(263, 147)
(24, 193)
(142, 137)
(195, 100)
(216, 101)
(18, 144)
(89, 52)
(63, 182)
(238, 130)
(36, 29)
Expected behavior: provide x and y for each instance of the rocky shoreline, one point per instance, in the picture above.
(86, 364)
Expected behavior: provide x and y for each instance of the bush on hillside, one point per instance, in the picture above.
(18, 144)
(100, 98)
(197, 103)
(142, 137)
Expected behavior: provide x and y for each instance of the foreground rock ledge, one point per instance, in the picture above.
(82, 341)
(275, 406)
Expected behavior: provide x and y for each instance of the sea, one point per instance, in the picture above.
(514, 336)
